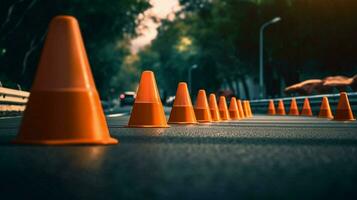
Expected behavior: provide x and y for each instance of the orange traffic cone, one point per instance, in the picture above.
(147, 111)
(233, 109)
(64, 106)
(202, 111)
(250, 109)
(182, 110)
(325, 110)
(246, 109)
(306, 109)
(240, 108)
(223, 110)
(271, 108)
(214, 108)
(281, 108)
(344, 111)
(293, 108)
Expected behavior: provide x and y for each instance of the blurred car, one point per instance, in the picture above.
(170, 101)
(127, 98)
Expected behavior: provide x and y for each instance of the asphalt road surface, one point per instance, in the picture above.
(263, 157)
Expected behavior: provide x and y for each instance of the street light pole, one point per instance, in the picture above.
(261, 54)
(190, 76)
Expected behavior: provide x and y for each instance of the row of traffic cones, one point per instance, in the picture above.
(64, 106)
(148, 110)
(343, 111)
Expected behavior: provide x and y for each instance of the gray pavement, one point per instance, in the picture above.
(264, 157)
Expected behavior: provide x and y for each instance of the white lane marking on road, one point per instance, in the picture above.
(116, 115)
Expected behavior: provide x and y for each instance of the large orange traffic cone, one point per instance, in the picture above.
(233, 109)
(306, 109)
(182, 110)
(240, 108)
(223, 110)
(281, 108)
(344, 111)
(202, 111)
(214, 108)
(64, 106)
(325, 110)
(271, 108)
(147, 111)
(293, 108)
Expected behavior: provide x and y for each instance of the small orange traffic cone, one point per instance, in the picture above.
(344, 111)
(214, 108)
(182, 110)
(306, 109)
(64, 106)
(271, 108)
(250, 109)
(233, 109)
(223, 110)
(281, 108)
(147, 111)
(202, 111)
(246, 109)
(240, 108)
(325, 110)
(293, 108)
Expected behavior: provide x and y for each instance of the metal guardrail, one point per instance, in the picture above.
(260, 106)
(12, 101)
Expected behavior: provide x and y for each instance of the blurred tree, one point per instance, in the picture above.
(104, 25)
(314, 39)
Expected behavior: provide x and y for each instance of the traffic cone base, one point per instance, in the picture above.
(215, 115)
(74, 119)
(144, 118)
(182, 115)
(234, 115)
(64, 107)
(250, 109)
(203, 115)
(344, 111)
(325, 114)
(344, 115)
(224, 115)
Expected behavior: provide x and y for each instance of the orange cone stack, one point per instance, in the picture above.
(182, 110)
(281, 108)
(64, 106)
(325, 110)
(293, 108)
(344, 111)
(147, 111)
(306, 109)
(214, 108)
(233, 109)
(271, 108)
(202, 111)
(223, 110)
(240, 108)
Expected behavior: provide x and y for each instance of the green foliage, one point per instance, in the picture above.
(105, 25)
(315, 38)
